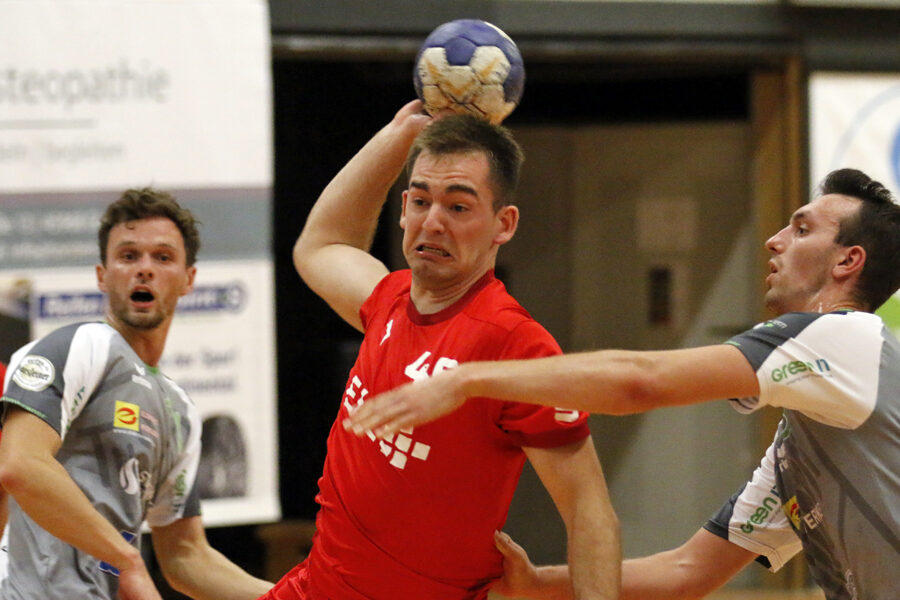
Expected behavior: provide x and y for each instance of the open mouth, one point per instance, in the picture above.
(142, 296)
(432, 250)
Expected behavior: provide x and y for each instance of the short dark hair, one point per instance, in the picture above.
(875, 227)
(145, 203)
(457, 134)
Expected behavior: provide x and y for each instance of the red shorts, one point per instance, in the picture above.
(293, 586)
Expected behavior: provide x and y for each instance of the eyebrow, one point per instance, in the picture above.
(800, 215)
(126, 243)
(453, 187)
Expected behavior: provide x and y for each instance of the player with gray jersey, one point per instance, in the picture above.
(131, 442)
(96, 441)
(832, 476)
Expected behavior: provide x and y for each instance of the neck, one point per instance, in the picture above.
(428, 300)
(827, 305)
(148, 344)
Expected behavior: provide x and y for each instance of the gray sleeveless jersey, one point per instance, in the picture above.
(130, 440)
(832, 476)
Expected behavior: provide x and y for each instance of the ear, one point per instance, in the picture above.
(189, 284)
(852, 261)
(507, 219)
(101, 273)
(403, 210)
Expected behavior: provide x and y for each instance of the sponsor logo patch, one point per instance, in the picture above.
(792, 509)
(797, 368)
(128, 416)
(563, 415)
(762, 512)
(130, 477)
(35, 373)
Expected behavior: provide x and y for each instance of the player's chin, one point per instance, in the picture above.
(427, 271)
(144, 320)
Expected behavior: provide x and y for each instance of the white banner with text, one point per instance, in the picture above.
(97, 96)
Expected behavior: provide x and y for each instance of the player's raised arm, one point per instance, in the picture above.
(332, 253)
(612, 382)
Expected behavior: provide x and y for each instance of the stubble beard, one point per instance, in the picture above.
(139, 321)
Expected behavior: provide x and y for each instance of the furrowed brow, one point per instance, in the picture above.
(465, 189)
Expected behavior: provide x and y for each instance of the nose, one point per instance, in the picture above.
(433, 219)
(775, 244)
(145, 267)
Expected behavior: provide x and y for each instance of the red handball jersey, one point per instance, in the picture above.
(413, 517)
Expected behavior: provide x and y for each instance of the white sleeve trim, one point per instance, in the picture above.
(758, 523)
(829, 372)
(85, 367)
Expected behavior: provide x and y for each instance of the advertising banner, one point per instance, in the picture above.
(97, 96)
(855, 122)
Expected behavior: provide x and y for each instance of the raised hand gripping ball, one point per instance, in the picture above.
(469, 66)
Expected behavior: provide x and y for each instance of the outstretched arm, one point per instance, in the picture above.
(698, 567)
(613, 382)
(332, 253)
(41, 486)
(193, 567)
(574, 479)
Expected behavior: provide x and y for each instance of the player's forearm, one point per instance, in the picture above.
(206, 574)
(48, 495)
(656, 577)
(595, 556)
(616, 382)
(701, 565)
(553, 583)
(607, 382)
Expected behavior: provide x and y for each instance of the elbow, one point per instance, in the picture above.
(301, 255)
(691, 578)
(14, 476)
(688, 587)
(643, 385)
(177, 572)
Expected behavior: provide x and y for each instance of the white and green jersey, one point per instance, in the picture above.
(130, 440)
(832, 476)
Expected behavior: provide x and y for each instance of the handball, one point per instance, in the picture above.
(469, 66)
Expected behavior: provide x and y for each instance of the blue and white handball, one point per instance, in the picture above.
(469, 66)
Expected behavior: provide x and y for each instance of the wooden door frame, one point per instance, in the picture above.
(779, 175)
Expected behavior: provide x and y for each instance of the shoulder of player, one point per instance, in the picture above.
(795, 323)
(393, 287)
(395, 283)
(68, 340)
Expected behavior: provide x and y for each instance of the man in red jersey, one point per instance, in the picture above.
(414, 516)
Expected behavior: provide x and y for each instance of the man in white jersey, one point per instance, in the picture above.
(830, 482)
(96, 439)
